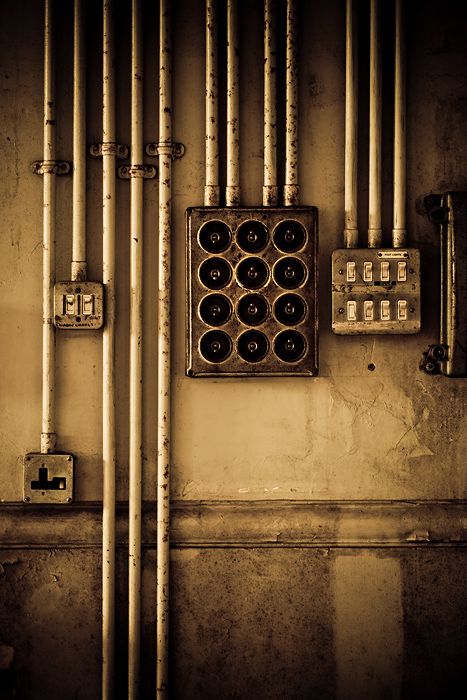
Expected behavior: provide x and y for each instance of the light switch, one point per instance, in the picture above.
(385, 310)
(402, 310)
(384, 271)
(368, 312)
(87, 304)
(69, 304)
(367, 271)
(351, 310)
(402, 271)
(351, 272)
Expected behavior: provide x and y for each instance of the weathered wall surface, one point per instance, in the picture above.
(288, 620)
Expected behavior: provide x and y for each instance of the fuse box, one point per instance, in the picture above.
(251, 291)
(375, 290)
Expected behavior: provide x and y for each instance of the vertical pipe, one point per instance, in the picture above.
(232, 193)
(375, 233)
(48, 436)
(399, 231)
(108, 354)
(78, 265)
(270, 192)
(351, 129)
(291, 191)
(136, 337)
(163, 347)
(211, 190)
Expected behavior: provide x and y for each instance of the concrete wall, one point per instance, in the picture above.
(291, 600)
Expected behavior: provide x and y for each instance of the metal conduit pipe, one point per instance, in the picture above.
(212, 190)
(375, 233)
(108, 352)
(399, 231)
(78, 265)
(48, 436)
(351, 128)
(291, 190)
(163, 348)
(136, 339)
(270, 190)
(232, 190)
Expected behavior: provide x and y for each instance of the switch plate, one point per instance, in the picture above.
(78, 305)
(385, 296)
(48, 478)
(251, 291)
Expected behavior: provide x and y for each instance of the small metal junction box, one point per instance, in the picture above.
(251, 291)
(48, 478)
(78, 305)
(375, 290)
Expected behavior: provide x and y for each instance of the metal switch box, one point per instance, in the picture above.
(48, 478)
(382, 293)
(79, 305)
(251, 291)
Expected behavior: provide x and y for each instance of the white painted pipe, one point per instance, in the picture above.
(232, 193)
(78, 265)
(164, 349)
(270, 190)
(212, 190)
(375, 233)
(108, 354)
(351, 128)
(291, 190)
(136, 340)
(399, 231)
(48, 436)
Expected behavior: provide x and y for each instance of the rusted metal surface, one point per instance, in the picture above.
(79, 263)
(375, 233)
(212, 189)
(351, 127)
(291, 188)
(270, 189)
(232, 190)
(399, 231)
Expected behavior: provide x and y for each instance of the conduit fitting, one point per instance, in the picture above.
(399, 237)
(232, 195)
(126, 172)
(48, 442)
(79, 270)
(270, 195)
(51, 167)
(166, 148)
(291, 195)
(212, 195)
(109, 149)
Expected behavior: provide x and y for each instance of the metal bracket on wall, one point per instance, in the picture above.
(109, 149)
(48, 478)
(145, 171)
(175, 150)
(51, 167)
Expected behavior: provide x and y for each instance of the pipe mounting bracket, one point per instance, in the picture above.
(126, 172)
(109, 148)
(51, 167)
(174, 150)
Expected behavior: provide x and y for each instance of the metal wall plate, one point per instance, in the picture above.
(48, 478)
(78, 305)
(251, 283)
(376, 290)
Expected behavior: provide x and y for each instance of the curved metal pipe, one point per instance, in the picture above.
(351, 128)
(48, 435)
(164, 348)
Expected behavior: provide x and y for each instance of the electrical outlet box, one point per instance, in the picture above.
(78, 305)
(376, 290)
(48, 478)
(251, 291)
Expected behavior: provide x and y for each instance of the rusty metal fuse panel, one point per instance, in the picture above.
(375, 290)
(251, 291)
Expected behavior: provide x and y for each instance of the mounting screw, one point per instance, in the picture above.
(69, 458)
(26, 498)
(68, 500)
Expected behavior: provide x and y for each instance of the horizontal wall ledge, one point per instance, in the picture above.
(247, 524)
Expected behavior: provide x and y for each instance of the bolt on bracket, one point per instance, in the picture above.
(51, 167)
(128, 171)
(109, 148)
(175, 150)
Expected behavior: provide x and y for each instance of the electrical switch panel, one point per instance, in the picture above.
(375, 290)
(48, 478)
(78, 305)
(251, 291)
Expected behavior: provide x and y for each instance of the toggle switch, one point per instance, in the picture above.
(368, 310)
(69, 304)
(384, 271)
(351, 272)
(87, 301)
(402, 271)
(367, 271)
(385, 310)
(402, 310)
(351, 310)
